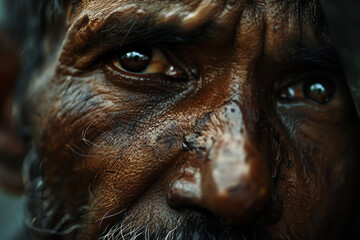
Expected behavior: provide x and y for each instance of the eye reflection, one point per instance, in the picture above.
(320, 91)
(315, 88)
(135, 60)
(144, 60)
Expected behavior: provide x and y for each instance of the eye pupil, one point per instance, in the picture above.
(135, 60)
(320, 91)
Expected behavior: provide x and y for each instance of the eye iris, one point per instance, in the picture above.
(135, 60)
(320, 91)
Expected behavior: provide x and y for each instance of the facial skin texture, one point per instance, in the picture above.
(207, 146)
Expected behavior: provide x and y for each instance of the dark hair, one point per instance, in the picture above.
(28, 23)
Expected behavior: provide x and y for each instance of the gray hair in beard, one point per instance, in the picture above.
(193, 226)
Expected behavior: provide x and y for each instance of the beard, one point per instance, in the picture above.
(193, 226)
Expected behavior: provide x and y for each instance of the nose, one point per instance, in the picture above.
(226, 173)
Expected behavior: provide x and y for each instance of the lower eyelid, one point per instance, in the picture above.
(139, 82)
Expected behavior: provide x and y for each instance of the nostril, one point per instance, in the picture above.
(185, 189)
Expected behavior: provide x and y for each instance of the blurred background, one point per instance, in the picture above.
(11, 215)
(11, 207)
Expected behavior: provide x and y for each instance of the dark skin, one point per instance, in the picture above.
(222, 113)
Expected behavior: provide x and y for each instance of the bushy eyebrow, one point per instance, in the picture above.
(320, 56)
(119, 29)
(147, 30)
(89, 38)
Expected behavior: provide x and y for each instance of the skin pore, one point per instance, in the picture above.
(235, 123)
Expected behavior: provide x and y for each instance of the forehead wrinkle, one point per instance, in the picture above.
(184, 16)
(187, 14)
(180, 14)
(203, 13)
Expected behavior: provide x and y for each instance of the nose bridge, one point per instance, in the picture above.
(236, 180)
(228, 152)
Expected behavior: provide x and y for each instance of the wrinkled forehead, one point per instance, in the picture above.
(186, 14)
(190, 14)
(302, 17)
(180, 8)
(278, 26)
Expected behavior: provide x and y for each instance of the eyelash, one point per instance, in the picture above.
(146, 83)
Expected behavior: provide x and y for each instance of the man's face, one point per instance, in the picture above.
(176, 118)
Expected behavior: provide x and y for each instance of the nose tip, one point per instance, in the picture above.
(238, 196)
(237, 193)
(231, 178)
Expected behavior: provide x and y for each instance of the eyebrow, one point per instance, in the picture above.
(320, 56)
(147, 30)
(118, 30)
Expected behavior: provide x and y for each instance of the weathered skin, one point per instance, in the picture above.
(211, 134)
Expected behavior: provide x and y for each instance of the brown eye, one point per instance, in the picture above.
(316, 87)
(135, 59)
(320, 91)
(144, 60)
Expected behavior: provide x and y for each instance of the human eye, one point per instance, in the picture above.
(145, 66)
(318, 95)
(316, 87)
(146, 60)
(140, 60)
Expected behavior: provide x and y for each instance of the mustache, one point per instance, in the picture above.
(190, 227)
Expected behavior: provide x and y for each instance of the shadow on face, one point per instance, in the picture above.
(190, 120)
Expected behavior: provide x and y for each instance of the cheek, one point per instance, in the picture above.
(103, 144)
(328, 151)
(322, 174)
